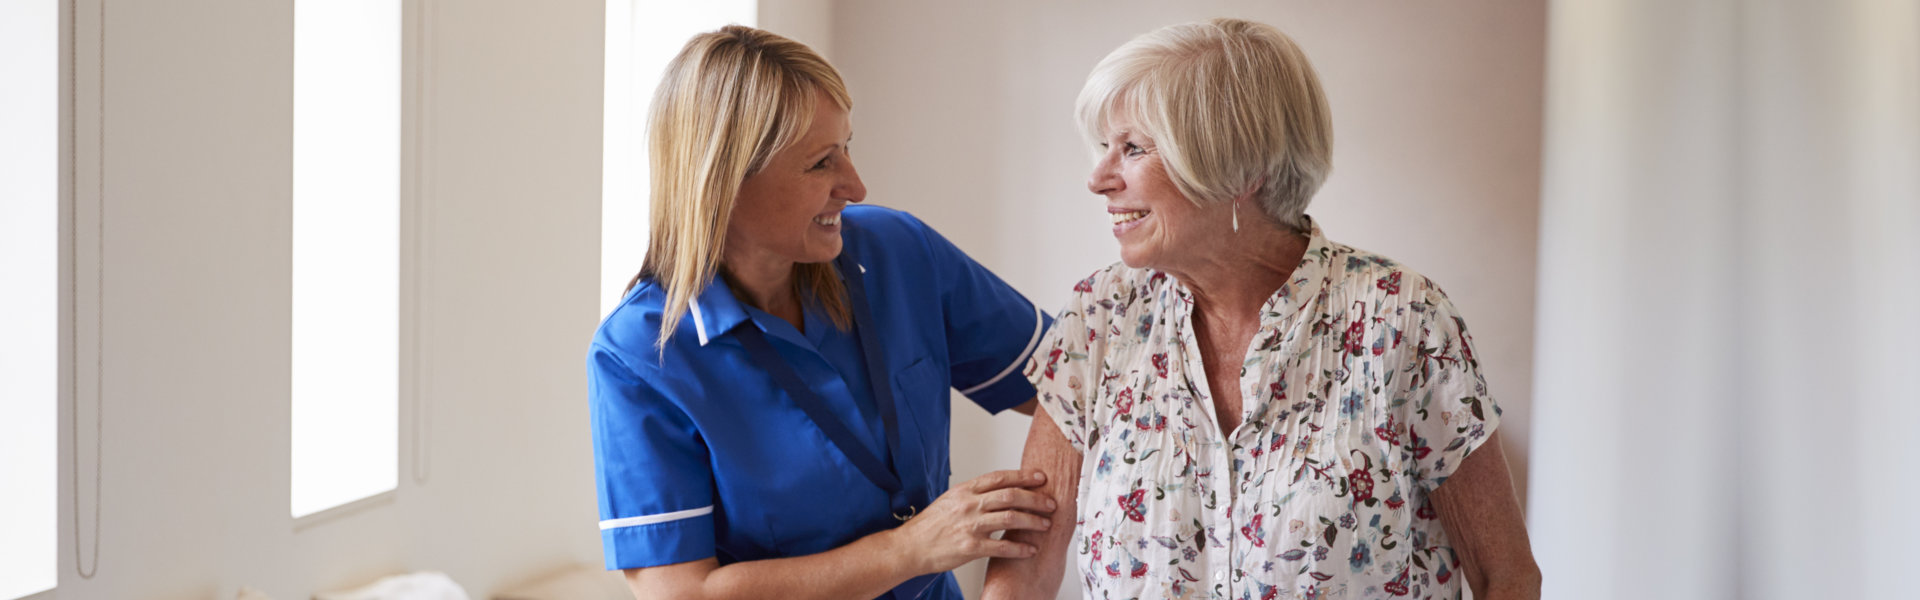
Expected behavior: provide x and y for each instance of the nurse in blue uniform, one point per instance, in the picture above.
(770, 400)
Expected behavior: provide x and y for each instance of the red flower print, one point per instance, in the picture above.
(1361, 482)
(1160, 364)
(1134, 505)
(1095, 544)
(1123, 403)
(1398, 586)
(1390, 283)
(1086, 285)
(1420, 448)
(1388, 433)
(1355, 330)
(1444, 575)
(1278, 441)
(1278, 390)
(1137, 569)
(1466, 339)
(1153, 423)
(1426, 511)
(1053, 360)
(1254, 532)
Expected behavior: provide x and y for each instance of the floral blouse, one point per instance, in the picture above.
(1361, 395)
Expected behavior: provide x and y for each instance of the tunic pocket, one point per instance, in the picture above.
(921, 391)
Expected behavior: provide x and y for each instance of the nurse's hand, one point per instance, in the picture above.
(958, 527)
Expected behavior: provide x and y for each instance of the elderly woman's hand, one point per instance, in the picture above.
(958, 527)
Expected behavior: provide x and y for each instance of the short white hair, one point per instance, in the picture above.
(1231, 104)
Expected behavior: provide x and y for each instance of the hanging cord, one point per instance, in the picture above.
(100, 285)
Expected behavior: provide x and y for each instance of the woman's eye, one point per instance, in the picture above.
(1134, 149)
(821, 165)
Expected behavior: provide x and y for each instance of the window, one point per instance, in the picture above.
(642, 36)
(29, 295)
(346, 241)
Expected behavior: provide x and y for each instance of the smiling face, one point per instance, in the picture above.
(789, 212)
(1157, 227)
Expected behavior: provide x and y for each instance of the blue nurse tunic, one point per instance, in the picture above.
(700, 453)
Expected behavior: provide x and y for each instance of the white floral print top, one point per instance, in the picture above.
(1361, 395)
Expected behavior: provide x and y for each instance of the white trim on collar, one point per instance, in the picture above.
(699, 324)
(1038, 322)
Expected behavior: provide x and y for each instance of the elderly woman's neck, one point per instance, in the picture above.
(1234, 280)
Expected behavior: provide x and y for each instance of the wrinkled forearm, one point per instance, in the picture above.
(1039, 577)
(1483, 518)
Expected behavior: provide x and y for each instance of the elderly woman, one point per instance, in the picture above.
(770, 401)
(1251, 411)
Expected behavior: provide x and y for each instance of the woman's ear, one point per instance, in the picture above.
(1252, 190)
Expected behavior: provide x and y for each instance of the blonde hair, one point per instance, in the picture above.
(1233, 105)
(728, 102)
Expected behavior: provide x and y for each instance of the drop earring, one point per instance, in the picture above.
(1236, 217)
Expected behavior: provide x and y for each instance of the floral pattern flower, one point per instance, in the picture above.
(1361, 394)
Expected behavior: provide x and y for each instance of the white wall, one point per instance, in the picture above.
(962, 116)
(29, 302)
(195, 309)
(1730, 257)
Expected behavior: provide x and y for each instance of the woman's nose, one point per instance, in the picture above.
(854, 189)
(1106, 176)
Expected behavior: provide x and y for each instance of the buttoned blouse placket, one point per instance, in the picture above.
(1277, 315)
(1220, 473)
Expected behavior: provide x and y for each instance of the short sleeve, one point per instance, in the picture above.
(991, 329)
(1447, 409)
(1062, 371)
(651, 470)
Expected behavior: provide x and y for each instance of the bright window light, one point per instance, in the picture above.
(346, 242)
(642, 36)
(29, 294)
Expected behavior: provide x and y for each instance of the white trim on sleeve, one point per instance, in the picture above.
(1038, 323)
(659, 518)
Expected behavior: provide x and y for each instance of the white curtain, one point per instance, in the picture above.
(1728, 351)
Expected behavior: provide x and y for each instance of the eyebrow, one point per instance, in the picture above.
(831, 146)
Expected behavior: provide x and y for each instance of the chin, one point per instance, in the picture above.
(824, 254)
(1134, 258)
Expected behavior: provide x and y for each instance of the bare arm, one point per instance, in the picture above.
(1038, 575)
(1489, 531)
(952, 531)
(1026, 408)
(866, 568)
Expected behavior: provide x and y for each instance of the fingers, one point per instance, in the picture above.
(1010, 519)
(1004, 549)
(1016, 499)
(1006, 479)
